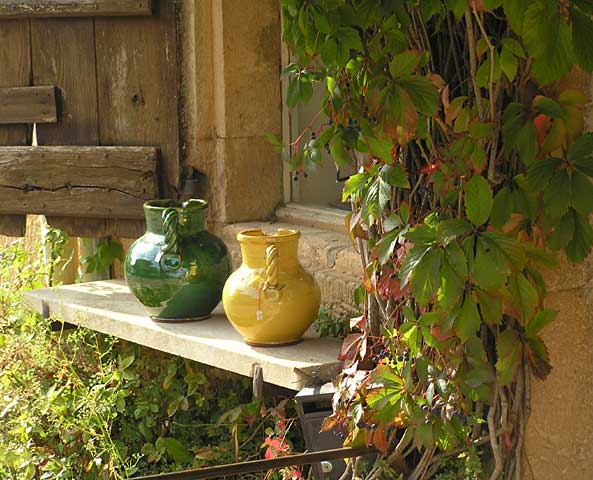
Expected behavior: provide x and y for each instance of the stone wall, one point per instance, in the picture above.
(231, 67)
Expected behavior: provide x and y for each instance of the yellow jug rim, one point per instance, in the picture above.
(257, 235)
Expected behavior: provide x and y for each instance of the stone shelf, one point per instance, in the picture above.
(109, 307)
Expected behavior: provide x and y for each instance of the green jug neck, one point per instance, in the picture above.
(192, 216)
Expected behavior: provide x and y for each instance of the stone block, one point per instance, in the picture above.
(247, 49)
(560, 430)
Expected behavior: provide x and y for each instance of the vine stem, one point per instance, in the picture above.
(491, 50)
(473, 62)
(493, 438)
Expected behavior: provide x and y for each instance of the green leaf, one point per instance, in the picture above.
(558, 61)
(329, 51)
(513, 119)
(541, 172)
(386, 245)
(395, 175)
(423, 93)
(426, 278)
(513, 46)
(321, 21)
(580, 245)
(581, 193)
(423, 435)
(515, 13)
(557, 194)
(490, 307)
(563, 232)
(479, 130)
(405, 63)
(457, 260)
(524, 296)
(353, 185)
(468, 320)
(509, 351)
(541, 319)
(449, 230)
(526, 143)
(502, 208)
(580, 155)
(338, 151)
(488, 269)
(411, 261)
(548, 107)
(422, 235)
(381, 148)
(126, 362)
(349, 38)
(478, 200)
(178, 452)
(452, 286)
(508, 63)
(582, 33)
(457, 7)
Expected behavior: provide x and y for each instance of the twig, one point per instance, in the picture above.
(473, 63)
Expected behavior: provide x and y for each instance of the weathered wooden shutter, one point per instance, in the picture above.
(99, 79)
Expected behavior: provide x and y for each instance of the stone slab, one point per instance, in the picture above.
(108, 307)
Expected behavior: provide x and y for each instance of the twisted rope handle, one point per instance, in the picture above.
(169, 257)
(272, 257)
(170, 223)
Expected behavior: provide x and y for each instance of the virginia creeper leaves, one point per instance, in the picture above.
(478, 200)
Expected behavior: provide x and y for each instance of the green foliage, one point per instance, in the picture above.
(473, 175)
(75, 404)
(327, 325)
(107, 251)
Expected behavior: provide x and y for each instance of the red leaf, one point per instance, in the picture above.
(542, 124)
(350, 347)
(380, 440)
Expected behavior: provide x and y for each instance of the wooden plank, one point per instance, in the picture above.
(98, 227)
(110, 308)
(84, 181)
(15, 71)
(73, 8)
(28, 105)
(138, 86)
(67, 61)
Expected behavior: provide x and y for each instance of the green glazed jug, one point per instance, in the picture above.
(177, 269)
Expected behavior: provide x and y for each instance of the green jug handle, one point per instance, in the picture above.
(169, 257)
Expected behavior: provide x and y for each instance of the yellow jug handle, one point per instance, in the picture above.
(272, 257)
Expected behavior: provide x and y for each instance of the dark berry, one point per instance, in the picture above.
(295, 177)
(375, 360)
(400, 358)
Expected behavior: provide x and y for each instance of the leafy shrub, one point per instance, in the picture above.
(79, 404)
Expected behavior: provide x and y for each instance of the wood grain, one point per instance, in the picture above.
(28, 105)
(15, 72)
(77, 181)
(138, 86)
(67, 61)
(73, 8)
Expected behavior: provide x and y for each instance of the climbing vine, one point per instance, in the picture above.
(473, 176)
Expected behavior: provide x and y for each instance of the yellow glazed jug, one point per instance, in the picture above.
(270, 299)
